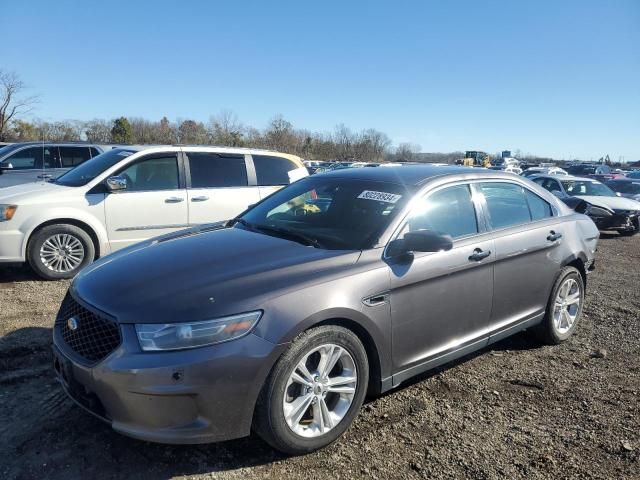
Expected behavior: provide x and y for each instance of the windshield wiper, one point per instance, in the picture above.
(280, 232)
(295, 236)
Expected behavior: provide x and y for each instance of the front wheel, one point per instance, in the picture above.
(314, 391)
(60, 251)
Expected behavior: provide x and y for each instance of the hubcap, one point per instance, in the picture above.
(320, 391)
(566, 306)
(62, 253)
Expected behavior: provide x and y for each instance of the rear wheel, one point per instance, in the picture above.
(314, 391)
(60, 251)
(564, 308)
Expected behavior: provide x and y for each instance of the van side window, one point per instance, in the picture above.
(73, 156)
(30, 158)
(158, 173)
(210, 170)
(272, 170)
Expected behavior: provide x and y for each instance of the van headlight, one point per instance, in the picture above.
(7, 212)
(178, 336)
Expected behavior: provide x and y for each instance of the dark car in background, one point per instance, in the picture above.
(608, 209)
(40, 161)
(281, 320)
(597, 171)
(627, 187)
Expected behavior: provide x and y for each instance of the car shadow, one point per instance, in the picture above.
(521, 341)
(17, 273)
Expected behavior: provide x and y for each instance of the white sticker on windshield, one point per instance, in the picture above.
(125, 153)
(380, 196)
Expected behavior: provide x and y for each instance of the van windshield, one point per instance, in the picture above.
(87, 171)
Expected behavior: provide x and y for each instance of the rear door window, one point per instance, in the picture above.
(506, 204)
(272, 170)
(538, 207)
(211, 170)
(73, 156)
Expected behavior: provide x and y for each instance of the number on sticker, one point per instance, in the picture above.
(380, 196)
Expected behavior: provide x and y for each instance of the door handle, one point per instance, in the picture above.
(478, 255)
(202, 198)
(173, 200)
(553, 236)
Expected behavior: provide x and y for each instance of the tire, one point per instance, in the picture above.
(74, 241)
(553, 331)
(297, 437)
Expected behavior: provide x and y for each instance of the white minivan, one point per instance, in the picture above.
(130, 194)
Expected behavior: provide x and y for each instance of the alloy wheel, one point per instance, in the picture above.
(62, 253)
(320, 390)
(566, 305)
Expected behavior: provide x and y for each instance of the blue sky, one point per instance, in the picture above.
(559, 78)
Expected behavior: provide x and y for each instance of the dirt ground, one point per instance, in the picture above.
(516, 410)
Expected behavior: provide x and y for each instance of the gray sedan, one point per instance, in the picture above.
(340, 285)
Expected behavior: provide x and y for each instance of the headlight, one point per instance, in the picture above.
(178, 336)
(7, 212)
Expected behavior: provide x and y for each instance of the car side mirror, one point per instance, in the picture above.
(116, 183)
(420, 241)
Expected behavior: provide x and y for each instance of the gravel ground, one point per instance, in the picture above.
(517, 410)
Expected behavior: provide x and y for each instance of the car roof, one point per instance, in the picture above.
(569, 177)
(624, 180)
(416, 175)
(70, 143)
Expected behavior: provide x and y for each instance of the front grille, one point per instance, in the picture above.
(93, 338)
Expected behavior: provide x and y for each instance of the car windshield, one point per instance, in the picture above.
(329, 212)
(586, 187)
(632, 188)
(87, 171)
(8, 149)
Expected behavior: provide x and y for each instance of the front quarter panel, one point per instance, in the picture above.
(335, 300)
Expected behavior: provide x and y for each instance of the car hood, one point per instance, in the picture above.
(27, 192)
(615, 203)
(202, 273)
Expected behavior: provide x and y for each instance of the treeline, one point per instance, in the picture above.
(223, 129)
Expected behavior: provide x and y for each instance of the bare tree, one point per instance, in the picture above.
(12, 103)
(98, 130)
(226, 129)
(406, 152)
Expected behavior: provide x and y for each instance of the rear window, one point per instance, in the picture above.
(210, 170)
(272, 170)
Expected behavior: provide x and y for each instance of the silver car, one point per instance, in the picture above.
(340, 285)
(37, 161)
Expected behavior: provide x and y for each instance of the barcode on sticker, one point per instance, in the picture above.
(380, 196)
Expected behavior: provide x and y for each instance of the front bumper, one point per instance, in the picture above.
(11, 245)
(618, 221)
(200, 395)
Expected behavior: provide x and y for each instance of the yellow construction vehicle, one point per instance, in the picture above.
(476, 159)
